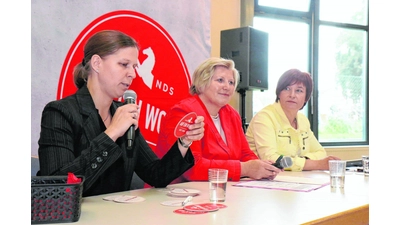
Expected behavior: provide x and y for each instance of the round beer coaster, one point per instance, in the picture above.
(183, 192)
(205, 207)
(175, 203)
(182, 211)
(166, 190)
(181, 196)
(128, 199)
(182, 126)
(221, 206)
(111, 197)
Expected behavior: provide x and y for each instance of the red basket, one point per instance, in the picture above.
(55, 201)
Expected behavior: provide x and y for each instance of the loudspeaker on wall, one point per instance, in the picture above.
(248, 48)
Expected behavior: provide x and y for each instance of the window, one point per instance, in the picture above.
(329, 39)
(285, 52)
(341, 85)
(298, 5)
(344, 11)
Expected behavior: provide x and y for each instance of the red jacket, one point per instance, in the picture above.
(211, 151)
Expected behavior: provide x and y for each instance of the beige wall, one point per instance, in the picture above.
(348, 152)
(226, 14)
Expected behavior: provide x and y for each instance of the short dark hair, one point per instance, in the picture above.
(295, 76)
(102, 43)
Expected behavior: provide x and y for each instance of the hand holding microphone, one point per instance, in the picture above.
(283, 162)
(130, 98)
(124, 118)
(258, 169)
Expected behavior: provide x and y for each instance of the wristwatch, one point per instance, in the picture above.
(183, 144)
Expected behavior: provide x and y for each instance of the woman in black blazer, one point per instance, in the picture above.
(85, 133)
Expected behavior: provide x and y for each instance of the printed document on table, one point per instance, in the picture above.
(287, 183)
(302, 180)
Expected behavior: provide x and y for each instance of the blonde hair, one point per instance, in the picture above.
(204, 72)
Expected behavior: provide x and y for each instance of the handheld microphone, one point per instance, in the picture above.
(283, 162)
(130, 98)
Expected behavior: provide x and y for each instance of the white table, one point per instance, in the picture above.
(244, 205)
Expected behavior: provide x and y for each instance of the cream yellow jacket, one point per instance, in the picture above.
(270, 135)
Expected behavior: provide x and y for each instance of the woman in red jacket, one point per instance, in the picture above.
(224, 144)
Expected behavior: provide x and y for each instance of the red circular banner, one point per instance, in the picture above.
(162, 78)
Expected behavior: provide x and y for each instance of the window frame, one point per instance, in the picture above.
(312, 18)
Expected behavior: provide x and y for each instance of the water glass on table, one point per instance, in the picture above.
(365, 161)
(217, 179)
(337, 171)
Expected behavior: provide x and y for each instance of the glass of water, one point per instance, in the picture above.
(217, 179)
(365, 160)
(337, 171)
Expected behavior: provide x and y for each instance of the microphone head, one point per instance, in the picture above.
(130, 94)
(286, 162)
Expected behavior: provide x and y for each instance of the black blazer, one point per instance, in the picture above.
(72, 139)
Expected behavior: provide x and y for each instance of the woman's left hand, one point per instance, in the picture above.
(319, 164)
(324, 163)
(195, 131)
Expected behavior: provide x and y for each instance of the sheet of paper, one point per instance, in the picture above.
(287, 183)
(302, 180)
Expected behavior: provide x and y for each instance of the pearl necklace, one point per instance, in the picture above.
(215, 117)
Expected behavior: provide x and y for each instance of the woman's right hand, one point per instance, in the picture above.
(259, 169)
(124, 117)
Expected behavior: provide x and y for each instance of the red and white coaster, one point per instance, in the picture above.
(199, 208)
(182, 211)
(182, 126)
(204, 207)
(221, 206)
